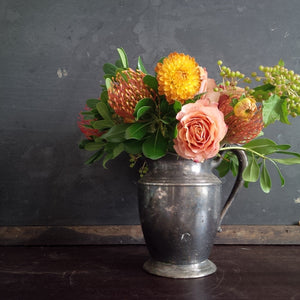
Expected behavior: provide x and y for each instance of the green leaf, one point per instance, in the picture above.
(123, 57)
(289, 153)
(281, 63)
(136, 131)
(89, 114)
(272, 110)
(177, 106)
(265, 180)
(109, 69)
(175, 132)
(115, 134)
(251, 172)
(162, 59)
(223, 168)
(108, 157)
(151, 82)
(91, 103)
(119, 64)
(143, 111)
(197, 97)
(109, 76)
(141, 66)
(234, 164)
(284, 116)
(133, 146)
(95, 157)
(118, 149)
(92, 146)
(263, 90)
(103, 124)
(108, 83)
(287, 161)
(104, 96)
(155, 146)
(104, 111)
(265, 146)
(144, 102)
(112, 150)
(83, 143)
(279, 173)
(164, 106)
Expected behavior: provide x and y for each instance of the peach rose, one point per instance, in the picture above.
(204, 80)
(201, 127)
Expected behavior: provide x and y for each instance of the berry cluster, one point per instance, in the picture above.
(286, 84)
(231, 79)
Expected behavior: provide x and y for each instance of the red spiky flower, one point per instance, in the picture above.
(86, 128)
(240, 129)
(126, 90)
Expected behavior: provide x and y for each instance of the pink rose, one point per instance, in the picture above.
(201, 127)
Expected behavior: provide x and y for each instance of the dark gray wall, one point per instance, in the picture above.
(51, 57)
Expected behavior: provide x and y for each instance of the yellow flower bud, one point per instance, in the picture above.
(245, 108)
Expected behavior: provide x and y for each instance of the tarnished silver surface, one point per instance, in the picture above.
(180, 208)
(201, 269)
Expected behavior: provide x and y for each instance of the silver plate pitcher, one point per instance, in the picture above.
(180, 213)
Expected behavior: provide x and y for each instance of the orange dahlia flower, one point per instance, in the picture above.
(180, 77)
(127, 89)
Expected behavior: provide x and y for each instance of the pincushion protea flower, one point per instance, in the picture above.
(86, 128)
(244, 121)
(126, 90)
(180, 77)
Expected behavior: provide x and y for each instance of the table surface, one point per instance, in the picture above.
(115, 272)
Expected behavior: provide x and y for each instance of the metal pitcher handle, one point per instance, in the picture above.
(242, 158)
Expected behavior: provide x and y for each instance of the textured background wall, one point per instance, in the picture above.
(51, 57)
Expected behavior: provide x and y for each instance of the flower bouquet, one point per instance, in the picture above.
(181, 110)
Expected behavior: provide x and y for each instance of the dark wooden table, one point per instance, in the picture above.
(115, 272)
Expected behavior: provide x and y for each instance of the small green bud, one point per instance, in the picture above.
(219, 62)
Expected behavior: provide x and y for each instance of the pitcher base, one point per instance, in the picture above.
(159, 268)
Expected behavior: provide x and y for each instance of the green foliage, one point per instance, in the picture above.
(115, 134)
(265, 179)
(275, 109)
(137, 131)
(110, 69)
(141, 66)
(123, 58)
(155, 146)
(91, 103)
(151, 82)
(259, 153)
(263, 91)
(251, 172)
